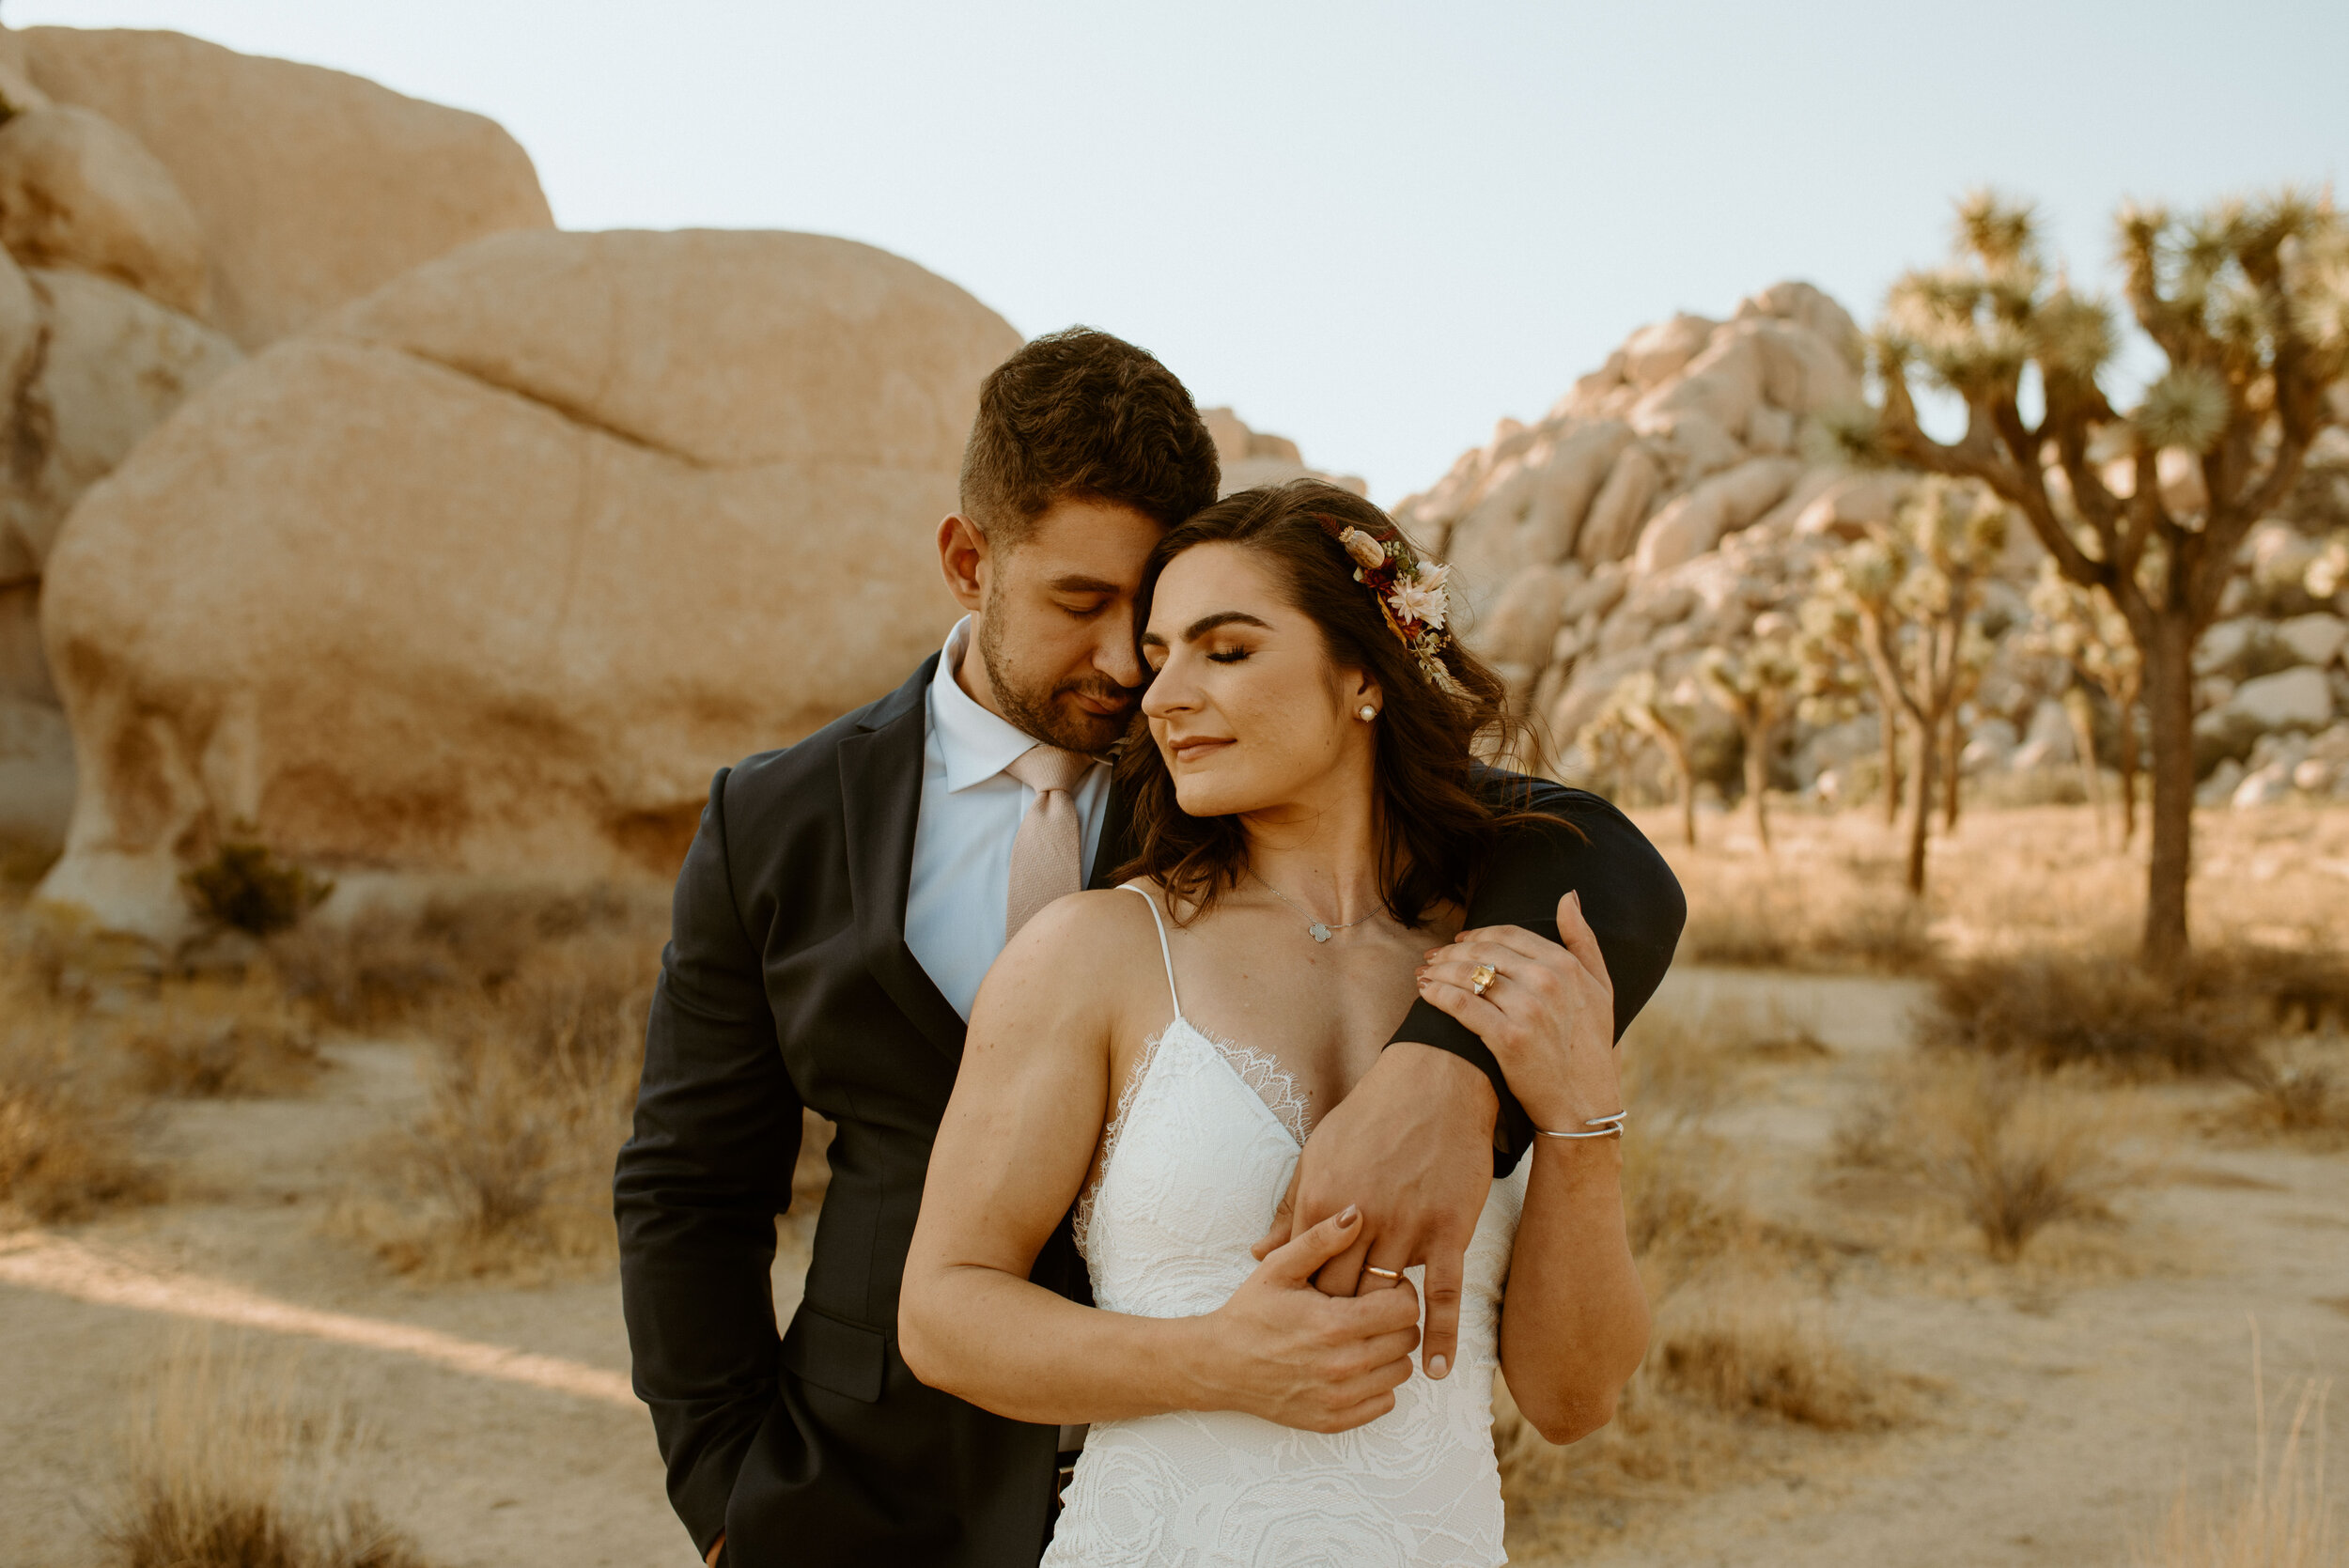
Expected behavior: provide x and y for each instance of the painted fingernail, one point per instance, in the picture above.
(1347, 1219)
(1437, 1366)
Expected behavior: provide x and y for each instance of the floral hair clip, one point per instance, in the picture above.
(1411, 595)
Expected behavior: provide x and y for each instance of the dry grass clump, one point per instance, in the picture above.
(530, 1106)
(386, 964)
(2061, 1009)
(1763, 1354)
(67, 1148)
(2304, 1099)
(2013, 1153)
(222, 1473)
(2232, 1016)
(1801, 912)
(2283, 1519)
(211, 1038)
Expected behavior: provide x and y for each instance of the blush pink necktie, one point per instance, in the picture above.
(1048, 857)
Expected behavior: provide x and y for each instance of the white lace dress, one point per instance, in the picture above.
(1199, 1153)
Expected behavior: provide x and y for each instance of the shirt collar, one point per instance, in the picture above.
(976, 744)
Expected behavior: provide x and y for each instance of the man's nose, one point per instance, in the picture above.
(1115, 656)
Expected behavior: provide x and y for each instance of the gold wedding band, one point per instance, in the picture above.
(1482, 977)
(1382, 1273)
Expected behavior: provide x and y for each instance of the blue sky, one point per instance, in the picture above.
(1375, 228)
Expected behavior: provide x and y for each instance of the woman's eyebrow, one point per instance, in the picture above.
(1205, 624)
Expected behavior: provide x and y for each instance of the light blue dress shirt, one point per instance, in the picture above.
(971, 812)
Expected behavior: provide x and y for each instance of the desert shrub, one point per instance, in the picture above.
(528, 1109)
(2012, 1152)
(1784, 915)
(2299, 988)
(2061, 1009)
(215, 1039)
(1758, 1355)
(386, 964)
(247, 887)
(66, 1135)
(2295, 1098)
(221, 1473)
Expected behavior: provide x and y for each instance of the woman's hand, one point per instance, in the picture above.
(1282, 1350)
(1549, 1017)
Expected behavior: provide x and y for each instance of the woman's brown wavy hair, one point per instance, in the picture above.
(1436, 824)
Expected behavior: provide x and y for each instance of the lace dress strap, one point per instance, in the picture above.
(1164, 952)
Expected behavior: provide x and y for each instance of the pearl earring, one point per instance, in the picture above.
(1368, 713)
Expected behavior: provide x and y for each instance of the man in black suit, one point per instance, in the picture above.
(832, 917)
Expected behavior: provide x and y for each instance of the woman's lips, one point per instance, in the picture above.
(1193, 750)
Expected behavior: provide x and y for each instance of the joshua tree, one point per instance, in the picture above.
(1639, 704)
(1607, 744)
(1914, 588)
(1755, 686)
(1837, 677)
(2081, 626)
(2248, 302)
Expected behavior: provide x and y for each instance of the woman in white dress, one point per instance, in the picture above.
(1157, 1054)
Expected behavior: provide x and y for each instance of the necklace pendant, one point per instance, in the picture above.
(1320, 932)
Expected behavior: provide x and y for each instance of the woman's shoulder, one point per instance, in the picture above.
(1084, 947)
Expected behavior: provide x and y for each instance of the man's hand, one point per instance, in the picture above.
(1412, 1147)
(1282, 1350)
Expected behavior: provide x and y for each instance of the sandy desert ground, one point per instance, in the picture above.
(2043, 1411)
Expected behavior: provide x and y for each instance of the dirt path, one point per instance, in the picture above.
(2071, 1408)
(482, 1468)
(2070, 1405)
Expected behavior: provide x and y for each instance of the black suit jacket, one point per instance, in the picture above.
(787, 982)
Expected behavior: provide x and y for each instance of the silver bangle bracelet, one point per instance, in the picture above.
(1605, 1127)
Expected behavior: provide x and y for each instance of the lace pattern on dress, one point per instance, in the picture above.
(1276, 1088)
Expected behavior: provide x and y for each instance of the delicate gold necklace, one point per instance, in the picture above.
(1317, 929)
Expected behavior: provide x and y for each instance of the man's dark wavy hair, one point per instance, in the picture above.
(1436, 824)
(1081, 415)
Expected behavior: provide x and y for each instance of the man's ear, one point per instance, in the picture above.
(964, 557)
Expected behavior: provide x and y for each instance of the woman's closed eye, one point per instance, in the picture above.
(1228, 656)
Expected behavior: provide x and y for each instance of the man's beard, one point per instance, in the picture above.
(1040, 713)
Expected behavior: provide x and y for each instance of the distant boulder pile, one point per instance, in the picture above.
(1683, 491)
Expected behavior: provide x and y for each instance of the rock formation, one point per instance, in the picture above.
(1682, 491)
(1251, 458)
(310, 187)
(166, 205)
(490, 570)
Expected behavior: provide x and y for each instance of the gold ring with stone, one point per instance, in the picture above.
(1481, 978)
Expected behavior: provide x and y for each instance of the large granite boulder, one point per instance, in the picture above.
(488, 572)
(163, 201)
(310, 187)
(78, 191)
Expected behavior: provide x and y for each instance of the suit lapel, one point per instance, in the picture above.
(880, 795)
(1114, 851)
